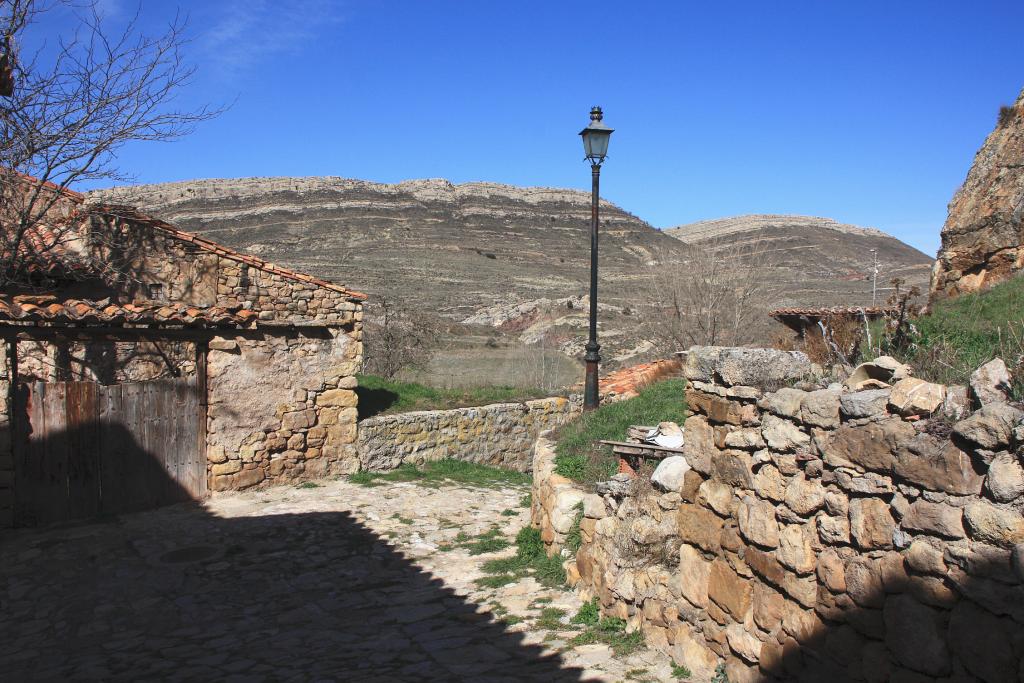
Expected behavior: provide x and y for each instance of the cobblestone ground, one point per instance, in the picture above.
(338, 582)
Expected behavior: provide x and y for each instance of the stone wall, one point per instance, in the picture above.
(817, 533)
(501, 434)
(282, 406)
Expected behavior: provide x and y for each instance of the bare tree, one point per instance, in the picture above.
(67, 108)
(396, 338)
(714, 293)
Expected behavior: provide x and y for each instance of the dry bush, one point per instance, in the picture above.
(396, 338)
(715, 294)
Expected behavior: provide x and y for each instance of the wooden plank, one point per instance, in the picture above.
(641, 446)
(50, 444)
(82, 436)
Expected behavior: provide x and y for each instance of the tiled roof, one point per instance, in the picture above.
(834, 310)
(44, 254)
(133, 214)
(627, 382)
(48, 309)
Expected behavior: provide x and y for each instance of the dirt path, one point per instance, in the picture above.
(333, 582)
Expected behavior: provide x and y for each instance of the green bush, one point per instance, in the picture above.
(960, 334)
(580, 458)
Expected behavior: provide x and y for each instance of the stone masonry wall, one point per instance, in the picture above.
(818, 533)
(501, 434)
(282, 406)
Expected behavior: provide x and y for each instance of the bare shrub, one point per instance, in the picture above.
(66, 110)
(396, 338)
(716, 294)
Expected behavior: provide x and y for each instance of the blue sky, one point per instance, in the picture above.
(865, 112)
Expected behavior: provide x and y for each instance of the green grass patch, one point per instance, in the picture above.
(448, 471)
(400, 518)
(529, 560)
(308, 485)
(612, 632)
(526, 500)
(488, 542)
(580, 458)
(551, 619)
(509, 513)
(380, 396)
(589, 614)
(960, 334)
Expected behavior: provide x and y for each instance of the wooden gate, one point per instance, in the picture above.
(84, 449)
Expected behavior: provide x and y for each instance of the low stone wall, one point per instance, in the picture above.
(501, 434)
(819, 533)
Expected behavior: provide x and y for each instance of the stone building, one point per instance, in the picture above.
(120, 298)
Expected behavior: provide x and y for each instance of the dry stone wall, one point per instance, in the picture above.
(501, 434)
(819, 533)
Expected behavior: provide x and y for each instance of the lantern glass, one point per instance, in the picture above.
(596, 137)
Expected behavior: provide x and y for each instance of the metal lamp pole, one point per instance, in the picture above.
(595, 142)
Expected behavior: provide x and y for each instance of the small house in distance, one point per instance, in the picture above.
(145, 365)
(814, 320)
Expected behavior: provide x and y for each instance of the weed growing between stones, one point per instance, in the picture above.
(509, 513)
(636, 675)
(488, 542)
(680, 671)
(574, 539)
(551, 619)
(530, 559)
(440, 472)
(401, 519)
(589, 614)
(308, 485)
(720, 675)
(612, 632)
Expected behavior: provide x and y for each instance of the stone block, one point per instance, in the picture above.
(768, 607)
(694, 574)
(934, 518)
(937, 465)
(743, 643)
(864, 582)
(785, 402)
(991, 524)
(983, 643)
(340, 398)
(718, 410)
(870, 446)
(228, 467)
(718, 496)
(670, 473)
(925, 556)
(990, 383)
(916, 635)
(795, 548)
(1005, 481)
(990, 428)
(769, 483)
(765, 565)
(783, 435)
(821, 408)
(831, 572)
(735, 468)
(862, 404)
(699, 526)
(804, 496)
(757, 522)
(760, 367)
(729, 590)
(698, 443)
(871, 523)
(912, 396)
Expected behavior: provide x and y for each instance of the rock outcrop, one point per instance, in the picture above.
(983, 238)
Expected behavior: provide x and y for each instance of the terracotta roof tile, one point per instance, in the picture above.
(47, 309)
(834, 310)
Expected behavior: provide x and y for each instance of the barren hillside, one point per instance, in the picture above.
(816, 261)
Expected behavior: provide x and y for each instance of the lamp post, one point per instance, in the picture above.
(595, 143)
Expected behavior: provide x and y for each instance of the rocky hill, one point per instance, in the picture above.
(812, 261)
(504, 266)
(983, 238)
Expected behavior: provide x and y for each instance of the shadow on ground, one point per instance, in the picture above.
(180, 594)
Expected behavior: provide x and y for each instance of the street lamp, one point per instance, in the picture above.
(595, 143)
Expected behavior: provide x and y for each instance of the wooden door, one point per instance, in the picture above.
(83, 449)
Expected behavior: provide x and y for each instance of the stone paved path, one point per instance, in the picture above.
(339, 582)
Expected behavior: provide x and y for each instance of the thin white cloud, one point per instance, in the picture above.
(239, 35)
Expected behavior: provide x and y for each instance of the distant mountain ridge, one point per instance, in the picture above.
(506, 260)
